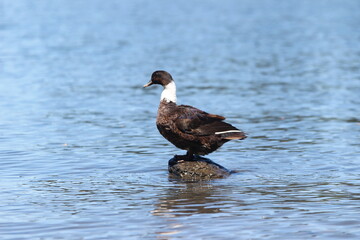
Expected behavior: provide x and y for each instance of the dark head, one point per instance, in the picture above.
(159, 77)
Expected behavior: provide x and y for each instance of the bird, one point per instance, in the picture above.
(186, 127)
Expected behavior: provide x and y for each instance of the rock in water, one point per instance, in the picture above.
(198, 169)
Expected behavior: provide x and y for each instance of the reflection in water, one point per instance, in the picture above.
(188, 199)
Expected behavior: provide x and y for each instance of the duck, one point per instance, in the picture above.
(187, 127)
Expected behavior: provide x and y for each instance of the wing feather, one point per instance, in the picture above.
(197, 122)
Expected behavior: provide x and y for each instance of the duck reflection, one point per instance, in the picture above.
(190, 198)
(185, 199)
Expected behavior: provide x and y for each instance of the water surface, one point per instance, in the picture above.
(82, 159)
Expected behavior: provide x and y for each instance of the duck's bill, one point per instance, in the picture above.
(148, 84)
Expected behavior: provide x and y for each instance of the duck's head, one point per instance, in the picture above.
(164, 79)
(160, 77)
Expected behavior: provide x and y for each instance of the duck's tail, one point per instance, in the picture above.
(232, 134)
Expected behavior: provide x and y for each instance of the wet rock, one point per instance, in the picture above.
(198, 169)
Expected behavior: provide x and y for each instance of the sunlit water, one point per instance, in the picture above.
(81, 157)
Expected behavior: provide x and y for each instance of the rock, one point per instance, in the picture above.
(198, 169)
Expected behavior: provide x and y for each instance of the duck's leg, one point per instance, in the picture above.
(189, 155)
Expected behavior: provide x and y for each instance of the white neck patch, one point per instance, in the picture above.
(169, 93)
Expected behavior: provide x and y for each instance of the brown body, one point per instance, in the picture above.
(193, 130)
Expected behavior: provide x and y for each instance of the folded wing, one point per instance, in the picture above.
(199, 123)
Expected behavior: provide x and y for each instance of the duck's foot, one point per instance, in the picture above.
(197, 169)
(186, 157)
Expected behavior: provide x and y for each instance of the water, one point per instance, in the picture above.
(81, 157)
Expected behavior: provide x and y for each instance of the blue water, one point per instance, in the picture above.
(80, 154)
